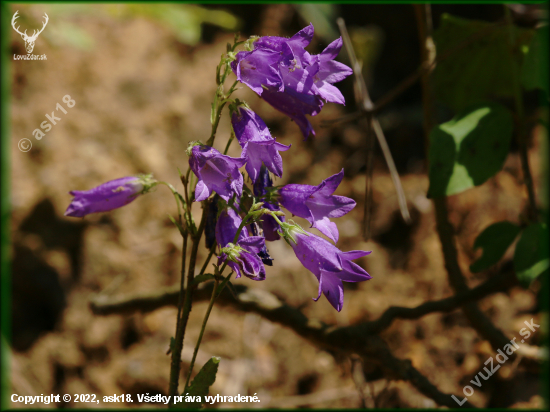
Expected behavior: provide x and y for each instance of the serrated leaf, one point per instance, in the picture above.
(494, 240)
(469, 149)
(535, 69)
(531, 257)
(479, 63)
(201, 384)
(203, 278)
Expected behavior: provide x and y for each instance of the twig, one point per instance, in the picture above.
(363, 100)
(500, 282)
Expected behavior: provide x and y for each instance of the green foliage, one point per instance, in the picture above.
(531, 257)
(202, 382)
(184, 20)
(480, 60)
(494, 240)
(534, 73)
(469, 149)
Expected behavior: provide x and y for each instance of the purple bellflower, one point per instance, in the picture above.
(269, 224)
(257, 143)
(108, 196)
(302, 81)
(243, 256)
(216, 172)
(329, 264)
(317, 203)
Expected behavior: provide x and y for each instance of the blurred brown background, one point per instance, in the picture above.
(142, 77)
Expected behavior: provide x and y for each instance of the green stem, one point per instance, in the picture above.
(231, 137)
(187, 304)
(203, 269)
(176, 347)
(203, 327)
(177, 197)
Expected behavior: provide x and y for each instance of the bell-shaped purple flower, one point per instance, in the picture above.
(289, 78)
(269, 224)
(317, 203)
(329, 264)
(216, 172)
(108, 196)
(257, 143)
(242, 256)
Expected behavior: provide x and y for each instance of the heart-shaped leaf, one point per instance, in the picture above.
(469, 149)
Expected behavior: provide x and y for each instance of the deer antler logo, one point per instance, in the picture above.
(29, 40)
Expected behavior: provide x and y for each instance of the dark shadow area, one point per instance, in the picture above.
(37, 298)
(56, 233)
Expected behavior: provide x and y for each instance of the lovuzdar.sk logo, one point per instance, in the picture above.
(29, 40)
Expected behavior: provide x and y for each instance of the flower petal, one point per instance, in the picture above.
(332, 288)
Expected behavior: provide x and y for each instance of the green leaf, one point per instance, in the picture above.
(469, 149)
(535, 69)
(531, 257)
(494, 240)
(203, 278)
(479, 60)
(202, 383)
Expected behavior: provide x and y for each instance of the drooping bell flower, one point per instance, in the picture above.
(257, 143)
(329, 264)
(109, 196)
(261, 67)
(317, 203)
(242, 256)
(269, 224)
(302, 81)
(216, 172)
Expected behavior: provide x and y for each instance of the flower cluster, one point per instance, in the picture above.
(296, 83)
(241, 220)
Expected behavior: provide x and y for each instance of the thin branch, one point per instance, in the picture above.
(363, 100)
(500, 282)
